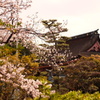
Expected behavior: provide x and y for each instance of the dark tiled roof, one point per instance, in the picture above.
(84, 34)
(81, 43)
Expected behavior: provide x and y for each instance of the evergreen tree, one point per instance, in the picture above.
(54, 29)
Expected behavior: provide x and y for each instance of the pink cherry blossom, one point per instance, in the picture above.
(12, 74)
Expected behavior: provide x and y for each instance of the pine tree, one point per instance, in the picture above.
(54, 29)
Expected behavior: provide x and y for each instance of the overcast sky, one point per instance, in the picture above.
(81, 15)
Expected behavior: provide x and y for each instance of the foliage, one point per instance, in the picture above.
(83, 75)
(11, 49)
(12, 75)
(6, 50)
(54, 29)
(31, 67)
(50, 56)
(7, 91)
(11, 68)
(13, 59)
(73, 95)
(24, 56)
(61, 43)
(46, 89)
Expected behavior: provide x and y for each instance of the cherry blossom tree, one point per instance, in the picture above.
(11, 26)
(11, 29)
(10, 21)
(13, 75)
(10, 9)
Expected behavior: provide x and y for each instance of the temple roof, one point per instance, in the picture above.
(80, 44)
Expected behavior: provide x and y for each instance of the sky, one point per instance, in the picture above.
(82, 16)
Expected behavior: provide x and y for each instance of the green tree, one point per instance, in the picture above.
(54, 29)
(61, 43)
(83, 75)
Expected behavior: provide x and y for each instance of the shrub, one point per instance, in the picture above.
(83, 75)
(73, 95)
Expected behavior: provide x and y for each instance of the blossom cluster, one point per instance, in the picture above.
(11, 74)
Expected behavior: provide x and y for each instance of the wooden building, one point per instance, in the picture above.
(85, 44)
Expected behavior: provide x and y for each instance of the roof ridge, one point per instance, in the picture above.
(85, 34)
